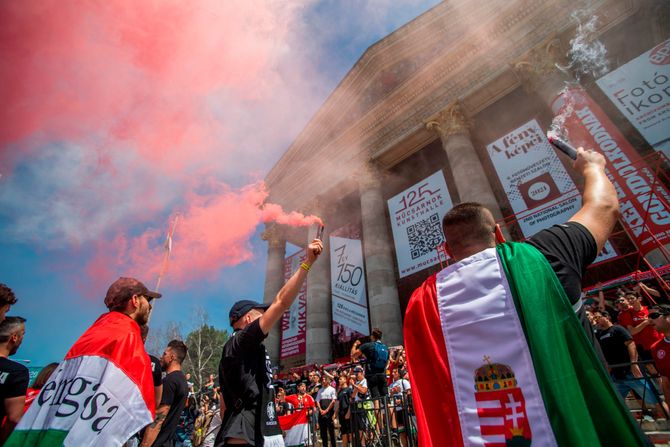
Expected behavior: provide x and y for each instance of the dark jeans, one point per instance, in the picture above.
(327, 428)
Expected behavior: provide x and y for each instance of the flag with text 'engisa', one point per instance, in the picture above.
(101, 394)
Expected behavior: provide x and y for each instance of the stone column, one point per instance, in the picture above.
(379, 271)
(274, 280)
(472, 184)
(319, 304)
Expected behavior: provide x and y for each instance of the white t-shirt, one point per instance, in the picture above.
(359, 397)
(326, 393)
(402, 384)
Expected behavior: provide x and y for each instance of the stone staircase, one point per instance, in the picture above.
(658, 430)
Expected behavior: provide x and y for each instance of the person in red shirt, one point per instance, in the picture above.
(635, 317)
(660, 351)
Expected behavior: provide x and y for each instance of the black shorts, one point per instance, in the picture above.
(400, 417)
(377, 385)
(345, 424)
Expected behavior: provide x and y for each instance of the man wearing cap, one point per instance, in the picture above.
(245, 375)
(660, 351)
(107, 371)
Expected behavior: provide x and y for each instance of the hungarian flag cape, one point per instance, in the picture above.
(497, 358)
(101, 394)
(296, 428)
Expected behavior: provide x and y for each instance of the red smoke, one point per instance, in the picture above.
(156, 102)
(212, 233)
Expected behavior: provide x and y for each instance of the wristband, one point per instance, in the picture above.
(305, 266)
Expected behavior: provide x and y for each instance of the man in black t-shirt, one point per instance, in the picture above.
(245, 374)
(156, 371)
(619, 348)
(14, 376)
(175, 391)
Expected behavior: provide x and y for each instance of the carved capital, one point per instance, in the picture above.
(450, 121)
(274, 236)
(370, 175)
(538, 64)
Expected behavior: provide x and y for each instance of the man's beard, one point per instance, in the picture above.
(14, 350)
(142, 318)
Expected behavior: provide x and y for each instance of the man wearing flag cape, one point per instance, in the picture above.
(496, 354)
(102, 393)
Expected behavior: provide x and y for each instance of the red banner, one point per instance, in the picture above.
(294, 320)
(643, 200)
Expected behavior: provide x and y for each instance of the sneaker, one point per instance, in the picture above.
(647, 418)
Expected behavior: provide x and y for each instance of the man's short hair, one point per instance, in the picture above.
(179, 349)
(6, 295)
(604, 313)
(377, 333)
(470, 216)
(9, 327)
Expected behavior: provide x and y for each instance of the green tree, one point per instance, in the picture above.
(204, 349)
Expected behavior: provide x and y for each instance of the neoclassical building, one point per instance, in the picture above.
(452, 107)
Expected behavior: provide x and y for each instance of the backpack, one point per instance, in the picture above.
(381, 357)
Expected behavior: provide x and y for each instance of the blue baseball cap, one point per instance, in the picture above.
(241, 307)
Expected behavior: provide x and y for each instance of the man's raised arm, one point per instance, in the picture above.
(600, 206)
(287, 294)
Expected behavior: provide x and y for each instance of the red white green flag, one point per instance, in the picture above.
(101, 394)
(498, 358)
(296, 428)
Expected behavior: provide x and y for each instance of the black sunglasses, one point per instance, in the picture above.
(655, 315)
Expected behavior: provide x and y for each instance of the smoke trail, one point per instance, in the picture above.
(586, 56)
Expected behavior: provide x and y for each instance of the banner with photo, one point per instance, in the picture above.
(538, 187)
(416, 220)
(349, 293)
(294, 320)
(640, 89)
(643, 201)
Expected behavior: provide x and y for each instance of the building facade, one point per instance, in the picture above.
(453, 107)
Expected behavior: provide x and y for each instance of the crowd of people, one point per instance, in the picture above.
(500, 334)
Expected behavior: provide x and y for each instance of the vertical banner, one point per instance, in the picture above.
(643, 200)
(416, 220)
(294, 320)
(349, 296)
(537, 185)
(640, 89)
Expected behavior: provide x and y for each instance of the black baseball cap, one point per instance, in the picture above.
(242, 307)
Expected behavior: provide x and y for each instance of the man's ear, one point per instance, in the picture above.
(447, 251)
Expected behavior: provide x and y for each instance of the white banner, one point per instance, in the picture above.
(416, 219)
(640, 89)
(347, 276)
(534, 179)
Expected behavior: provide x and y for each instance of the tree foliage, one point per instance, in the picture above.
(204, 349)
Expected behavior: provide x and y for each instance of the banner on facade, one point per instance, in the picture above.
(538, 187)
(349, 292)
(294, 320)
(640, 89)
(416, 220)
(642, 200)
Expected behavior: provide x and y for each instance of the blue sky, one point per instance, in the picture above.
(56, 206)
